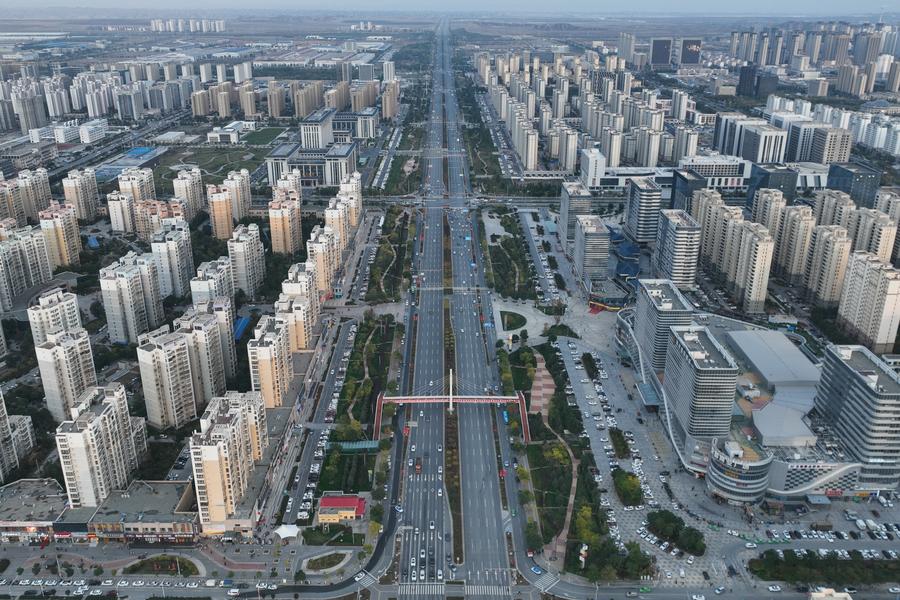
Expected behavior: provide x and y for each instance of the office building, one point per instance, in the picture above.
(677, 249)
(80, 191)
(643, 201)
(214, 279)
(66, 364)
(129, 290)
(859, 398)
(699, 387)
(100, 445)
(575, 200)
(764, 144)
(248, 261)
(164, 360)
(232, 438)
(171, 248)
(271, 368)
(826, 265)
(869, 309)
(859, 181)
(659, 306)
(138, 183)
(284, 222)
(591, 250)
(832, 207)
(56, 311)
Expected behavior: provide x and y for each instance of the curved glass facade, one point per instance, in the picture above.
(736, 478)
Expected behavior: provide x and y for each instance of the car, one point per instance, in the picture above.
(750, 545)
(96, 592)
(719, 590)
(260, 586)
(774, 588)
(359, 576)
(536, 570)
(440, 575)
(191, 584)
(272, 587)
(431, 525)
(698, 597)
(894, 590)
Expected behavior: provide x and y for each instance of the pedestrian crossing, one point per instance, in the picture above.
(367, 579)
(546, 581)
(489, 591)
(421, 590)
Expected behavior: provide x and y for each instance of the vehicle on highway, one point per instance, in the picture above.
(536, 570)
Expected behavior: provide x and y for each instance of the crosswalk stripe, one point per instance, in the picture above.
(368, 580)
(546, 581)
(418, 590)
(492, 591)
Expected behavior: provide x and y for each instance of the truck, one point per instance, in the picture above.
(871, 525)
(419, 465)
(861, 524)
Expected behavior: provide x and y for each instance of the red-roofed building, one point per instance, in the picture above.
(335, 509)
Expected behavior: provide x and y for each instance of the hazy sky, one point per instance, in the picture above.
(365, 7)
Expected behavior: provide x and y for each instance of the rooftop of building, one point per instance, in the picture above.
(679, 217)
(777, 359)
(664, 294)
(575, 188)
(149, 501)
(875, 372)
(705, 351)
(320, 115)
(32, 500)
(277, 419)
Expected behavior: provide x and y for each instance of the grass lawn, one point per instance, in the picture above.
(215, 163)
(162, 565)
(325, 562)
(336, 535)
(263, 136)
(512, 320)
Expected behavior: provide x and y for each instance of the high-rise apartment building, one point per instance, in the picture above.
(221, 216)
(238, 185)
(66, 364)
(830, 145)
(768, 208)
(859, 397)
(24, 263)
(80, 190)
(574, 201)
(188, 187)
(232, 439)
(60, 226)
(203, 334)
(35, 187)
(223, 310)
(872, 231)
(164, 360)
(129, 289)
(833, 207)
(9, 455)
(793, 243)
(321, 248)
(138, 183)
(677, 248)
(284, 222)
(248, 261)
(271, 368)
(338, 219)
(643, 201)
(699, 388)
(213, 280)
(171, 248)
(826, 265)
(56, 310)
(749, 251)
(869, 308)
(100, 445)
(121, 212)
(659, 306)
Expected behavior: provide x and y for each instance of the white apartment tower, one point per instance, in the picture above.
(238, 185)
(138, 183)
(66, 364)
(793, 243)
(643, 201)
(591, 251)
(203, 334)
(130, 292)
(826, 265)
(55, 311)
(870, 302)
(271, 368)
(248, 261)
(214, 279)
(188, 187)
(171, 248)
(80, 190)
(100, 445)
(168, 381)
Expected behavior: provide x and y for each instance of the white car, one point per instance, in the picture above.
(774, 588)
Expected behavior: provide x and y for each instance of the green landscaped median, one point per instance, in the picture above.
(628, 487)
(512, 321)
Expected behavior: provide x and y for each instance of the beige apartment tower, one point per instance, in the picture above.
(271, 368)
(248, 261)
(60, 226)
(66, 364)
(80, 190)
(221, 216)
(55, 311)
(826, 265)
(284, 222)
(870, 302)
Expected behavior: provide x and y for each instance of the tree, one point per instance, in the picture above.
(525, 497)
(533, 539)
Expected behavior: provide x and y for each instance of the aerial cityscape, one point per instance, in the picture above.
(435, 302)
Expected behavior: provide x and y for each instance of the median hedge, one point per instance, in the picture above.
(628, 487)
(830, 569)
(670, 527)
